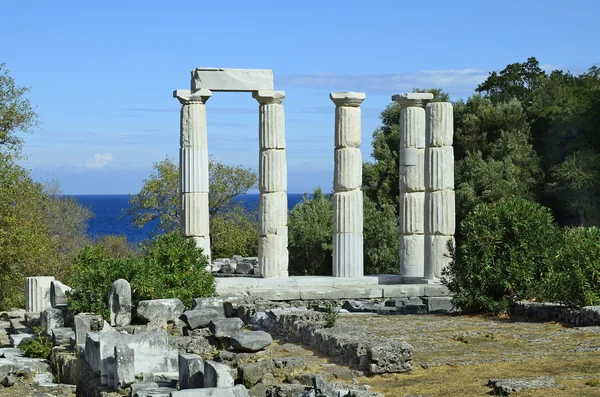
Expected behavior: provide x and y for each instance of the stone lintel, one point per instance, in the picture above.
(410, 99)
(186, 96)
(232, 80)
(353, 99)
(268, 97)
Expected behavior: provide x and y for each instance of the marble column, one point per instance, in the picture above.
(37, 293)
(440, 217)
(193, 167)
(347, 179)
(272, 183)
(412, 183)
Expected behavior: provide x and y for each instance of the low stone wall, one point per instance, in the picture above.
(586, 316)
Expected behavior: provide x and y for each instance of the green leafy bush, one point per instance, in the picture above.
(40, 347)
(574, 276)
(502, 255)
(331, 314)
(171, 266)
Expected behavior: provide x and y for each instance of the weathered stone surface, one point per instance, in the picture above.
(402, 291)
(442, 304)
(250, 341)
(273, 171)
(504, 387)
(439, 168)
(194, 209)
(160, 309)
(412, 258)
(198, 318)
(228, 268)
(37, 293)
(84, 323)
(440, 215)
(271, 132)
(226, 79)
(412, 207)
(348, 212)
(586, 316)
(318, 293)
(16, 339)
(244, 267)
(440, 124)
(347, 169)
(218, 375)
(412, 127)
(437, 255)
(191, 371)
(58, 294)
(234, 391)
(194, 174)
(273, 255)
(153, 388)
(119, 303)
(348, 260)
(272, 212)
(193, 118)
(124, 367)
(51, 318)
(412, 170)
(224, 328)
(203, 242)
(62, 336)
(215, 303)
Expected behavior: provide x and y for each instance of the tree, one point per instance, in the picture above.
(232, 228)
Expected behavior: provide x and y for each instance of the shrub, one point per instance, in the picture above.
(171, 266)
(40, 347)
(502, 255)
(331, 314)
(574, 276)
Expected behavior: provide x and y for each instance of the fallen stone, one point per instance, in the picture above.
(237, 258)
(218, 375)
(228, 268)
(191, 371)
(124, 367)
(62, 336)
(152, 389)
(8, 381)
(224, 328)
(37, 293)
(9, 352)
(244, 267)
(250, 341)
(16, 339)
(200, 318)
(119, 303)
(32, 319)
(58, 294)
(504, 387)
(84, 323)
(160, 309)
(359, 306)
(52, 318)
(215, 303)
(442, 304)
(236, 391)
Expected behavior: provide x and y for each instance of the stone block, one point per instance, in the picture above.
(318, 293)
(440, 215)
(58, 294)
(203, 243)
(347, 173)
(244, 268)
(272, 212)
(250, 342)
(272, 167)
(216, 303)
(16, 339)
(191, 371)
(361, 292)
(160, 309)
(437, 255)
(412, 127)
(275, 294)
(51, 318)
(419, 99)
(218, 375)
(62, 336)
(271, 130)
(435, 290)
(200, 318)
(440, 124)
(272, 255)
(32, 319)
(441, 304)
(232, 80)
(235, 391)
(412, 206)
(348, 212)
(347, 127)
(412, 255)
(37, 293)
(412, 176)
(124, 367)
(119, 303)
(348, 260)
(439, 168)
(194, 169)
(193, 126)
(194, 214)
(402, 291)
(225, 327)
(84, 323)
(157, 388)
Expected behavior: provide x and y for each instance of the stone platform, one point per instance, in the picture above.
(323, 287)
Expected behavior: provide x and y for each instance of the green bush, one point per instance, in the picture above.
(171, 266)
(502, 255)
(574, 276)
(40, 347)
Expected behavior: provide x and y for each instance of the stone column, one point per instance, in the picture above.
(412, 183)
(347, 179)
(439, 188)
(37, 293)
(193, 167)
(272, 182)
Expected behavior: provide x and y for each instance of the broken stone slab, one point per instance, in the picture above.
(250, 342)
(52, 318)
(168, 310)
(232, 80)
(218, 375)
(119, 303)
(215, 303)
(440, 304)
(16, 339)
(235, 391)
(200, 318)
(10, 352)
(360, 306)
(244, 267)
(84, 323)
(237, 258)
(32, 319)
(62, 336)
(58, 294)
(124, 367)
(37, 293)
(228, 268)
(191, 371)
(224, 328)
(504, 387)
(153, 389)
(320, 293)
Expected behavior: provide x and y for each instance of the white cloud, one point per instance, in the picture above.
(453, 81)
(98, 160)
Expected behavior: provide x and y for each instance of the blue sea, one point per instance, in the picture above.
(109, 215)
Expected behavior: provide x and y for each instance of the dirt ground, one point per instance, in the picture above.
(456, 355)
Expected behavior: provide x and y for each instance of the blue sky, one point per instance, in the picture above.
(102, 73)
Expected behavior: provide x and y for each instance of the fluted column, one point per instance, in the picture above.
(412, 183)
(193, 167)
(272, 182)
(439, 188)
(347, 179)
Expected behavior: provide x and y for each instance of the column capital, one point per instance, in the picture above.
(186, 97)
(269, 97)
(413, 99)
(351, 99)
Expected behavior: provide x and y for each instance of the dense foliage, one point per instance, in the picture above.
(170, 267)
